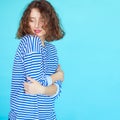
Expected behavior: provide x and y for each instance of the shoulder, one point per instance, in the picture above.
(51, 47)
(30, 43)
(29, 39)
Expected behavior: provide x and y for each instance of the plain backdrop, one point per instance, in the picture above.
(89, 55)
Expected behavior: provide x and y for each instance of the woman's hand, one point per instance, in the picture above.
(33, 87)
(59, 75)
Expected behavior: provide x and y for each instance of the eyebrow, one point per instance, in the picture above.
(32, 17)
(39, 18)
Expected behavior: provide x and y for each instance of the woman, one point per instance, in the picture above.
(37, 77)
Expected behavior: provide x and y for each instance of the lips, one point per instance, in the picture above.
(37, 31)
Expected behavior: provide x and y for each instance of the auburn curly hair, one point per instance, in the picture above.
(52, 27)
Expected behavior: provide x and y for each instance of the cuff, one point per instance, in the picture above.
(49, 80)
(57, 91)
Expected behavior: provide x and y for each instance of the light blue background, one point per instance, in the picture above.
(89, 55)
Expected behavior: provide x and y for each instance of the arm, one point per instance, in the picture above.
(59, 75)
(34, 69)
(51, 90)
(34, 87)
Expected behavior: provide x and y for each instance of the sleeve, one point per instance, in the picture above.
(32, 60)
(59, 88)
(33, 66)
(58, 83)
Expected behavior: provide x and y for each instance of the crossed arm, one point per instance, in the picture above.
(34, 87)
(33, 67)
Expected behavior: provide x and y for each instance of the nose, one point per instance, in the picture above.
(36, 24)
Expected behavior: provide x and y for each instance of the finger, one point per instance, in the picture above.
(58, 68)
(25, 89)
(27, 92)
(26, 84)
(31, 79)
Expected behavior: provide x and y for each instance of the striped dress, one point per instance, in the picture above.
(37, 61)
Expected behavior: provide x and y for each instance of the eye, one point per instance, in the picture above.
(31, 20)
(41, 20)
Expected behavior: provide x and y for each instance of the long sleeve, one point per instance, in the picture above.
(33, 66)
(32, 59)
(35, 61)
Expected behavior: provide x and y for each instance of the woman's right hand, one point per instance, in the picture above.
(59, 75)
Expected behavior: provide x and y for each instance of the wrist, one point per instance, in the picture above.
(54, 77)
(42, 90)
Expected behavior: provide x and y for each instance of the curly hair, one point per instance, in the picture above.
(52, 27)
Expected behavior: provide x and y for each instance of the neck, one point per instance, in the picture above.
(43, 41)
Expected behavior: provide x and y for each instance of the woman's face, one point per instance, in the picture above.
(36, 23)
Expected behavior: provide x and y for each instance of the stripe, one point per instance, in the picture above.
(36, 61)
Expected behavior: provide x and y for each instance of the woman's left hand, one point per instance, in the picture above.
(33, 87)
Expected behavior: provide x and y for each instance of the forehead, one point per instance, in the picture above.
(35, 13)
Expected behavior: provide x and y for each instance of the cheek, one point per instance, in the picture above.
(44, 32)
(31, 25)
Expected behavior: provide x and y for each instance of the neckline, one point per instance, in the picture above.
(45, 44)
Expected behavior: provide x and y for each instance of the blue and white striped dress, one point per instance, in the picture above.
(36, 61)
